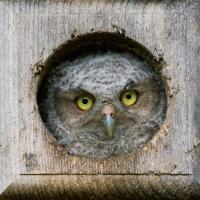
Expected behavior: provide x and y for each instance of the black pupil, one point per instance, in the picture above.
(128, 96)
(85, 101)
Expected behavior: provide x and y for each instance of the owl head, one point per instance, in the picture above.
(102, 105)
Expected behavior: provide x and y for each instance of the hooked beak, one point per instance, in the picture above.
(108, 120)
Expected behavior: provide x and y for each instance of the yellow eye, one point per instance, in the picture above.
(84, 102)
(129, 98)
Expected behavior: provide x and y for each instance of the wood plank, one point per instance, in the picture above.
(9, 165)
(193, 84)
(101, 187)
(40, 29)
(29, 33)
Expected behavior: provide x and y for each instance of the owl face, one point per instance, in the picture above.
(103, 105)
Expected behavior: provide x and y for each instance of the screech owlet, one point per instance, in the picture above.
(102, 105)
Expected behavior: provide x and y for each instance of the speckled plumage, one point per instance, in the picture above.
(104, 76)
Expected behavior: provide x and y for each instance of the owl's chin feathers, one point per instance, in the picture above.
(97, 145)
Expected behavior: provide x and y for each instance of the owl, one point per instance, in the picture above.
(103, 104)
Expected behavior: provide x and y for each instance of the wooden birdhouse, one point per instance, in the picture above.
(37, 35)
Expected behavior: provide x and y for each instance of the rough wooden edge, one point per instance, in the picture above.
(102, 187)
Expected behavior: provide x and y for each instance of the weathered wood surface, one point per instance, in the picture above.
(29, 33)
(111, 187)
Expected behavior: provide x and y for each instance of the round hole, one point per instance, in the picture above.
(102, 65)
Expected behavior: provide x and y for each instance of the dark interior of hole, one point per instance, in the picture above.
(94, 42)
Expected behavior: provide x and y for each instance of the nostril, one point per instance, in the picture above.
(104, 115)
(108, 110)
(111, 114)
(108, 114)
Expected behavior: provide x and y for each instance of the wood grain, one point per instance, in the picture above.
(9, 165)
(31, 30)
(101, 187)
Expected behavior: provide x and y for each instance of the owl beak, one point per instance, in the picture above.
(108, 120)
